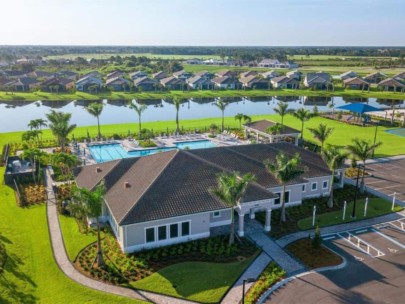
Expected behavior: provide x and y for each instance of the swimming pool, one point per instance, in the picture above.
(107, 152)
(398, 132)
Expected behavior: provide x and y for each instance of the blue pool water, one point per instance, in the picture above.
(107, 152)
(398, 132)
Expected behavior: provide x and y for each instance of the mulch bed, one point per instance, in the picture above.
(313, 258)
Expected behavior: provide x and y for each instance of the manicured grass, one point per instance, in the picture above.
(311, 257)
(73, 238)
(31, 275)
(341, 136)
(149, 55)
(376, 207)
(196, 281)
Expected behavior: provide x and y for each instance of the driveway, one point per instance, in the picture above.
(374, 273)
(387, 177)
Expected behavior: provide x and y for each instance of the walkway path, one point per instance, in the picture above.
(66, 266)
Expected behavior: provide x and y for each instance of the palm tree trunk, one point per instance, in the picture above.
(330, 200)
(362, 178)
(232, 228)
(100, 260)
(140, 126)
(222, 121)
(283, 205)
(302, 131)
(177, 122)
(98, 125)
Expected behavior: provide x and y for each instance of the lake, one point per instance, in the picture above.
(15, 115)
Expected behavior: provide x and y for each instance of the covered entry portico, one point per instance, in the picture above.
(251, 208)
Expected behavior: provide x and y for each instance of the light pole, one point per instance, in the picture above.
(248, 280)
(355, 191)
(375, 137)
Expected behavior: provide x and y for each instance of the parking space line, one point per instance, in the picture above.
(402, 228)
(360, 231)
(329, 238)
(358, 242)
(389, 238)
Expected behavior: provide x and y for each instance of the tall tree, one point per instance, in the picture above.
(282, 110)
(230, 190)
(335, 159)
(321, 133)
(95, 110)
(361, 150)
(303, 115)
(60, 126)
(33, 155)
(139, 109)
(240, 117)
(177, 103)
(284, 169)
(91, 204)
(220, 104)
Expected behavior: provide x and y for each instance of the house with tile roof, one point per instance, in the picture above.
(173, 83)
(57, 84)
(117, 84)
(375, 77)
(356, 83)
(165, 198)
(146, 84)
(392, 84)
(347, 75)
(22, 84)
(318, 80)
(226, 82)
(199, 82)
(88, 81)
(284, 82)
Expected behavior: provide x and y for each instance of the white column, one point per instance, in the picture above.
(267, 227)
(252, 213)
(271, 139)
(341, 179)
(296, 140)
(241, 224)
(257, 136)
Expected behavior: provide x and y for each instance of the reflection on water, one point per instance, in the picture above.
(15, 115)
(355, 99)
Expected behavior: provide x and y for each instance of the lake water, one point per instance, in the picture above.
(14, 116)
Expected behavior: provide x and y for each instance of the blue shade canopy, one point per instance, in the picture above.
(358, 108)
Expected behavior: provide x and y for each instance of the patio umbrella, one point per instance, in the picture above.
(359, 108)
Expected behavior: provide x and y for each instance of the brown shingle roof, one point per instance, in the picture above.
(263, 125)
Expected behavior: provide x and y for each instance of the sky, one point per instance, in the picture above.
(203, 22)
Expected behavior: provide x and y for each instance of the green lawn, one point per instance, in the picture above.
(148, 55)
(341, 136)
(376, 207)
(74, 240)
(196, 281)
(31, 275)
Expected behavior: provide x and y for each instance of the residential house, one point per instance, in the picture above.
(137, 74)
(67, 74)
(294, 74)
(194, 61)
(318, 80)
(41, 74)
(11, 74)
(88, 83)
(182, 74)
(254, 82)
(95, 74)
(270, 74)
(400, 76)
(247, 74)
(200, 83)
(356, 83)
(159, 75)
(173, 83)
(226, 73)
(376, 77)
(205, 74)
(22, 84)
(118, 84)
(214, 62)
(115, 74)
(392, 84)
(290, 65)
(284, 82)
(57, 84)
(146, 84)
(347, 75)
(226, 82)
(268, 63)
(165, 198)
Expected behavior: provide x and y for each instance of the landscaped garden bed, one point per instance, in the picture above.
(122, 268)
(296, 213)
(32, 194)
(312, 257)
(270, 276)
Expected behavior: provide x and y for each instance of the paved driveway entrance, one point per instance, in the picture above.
(374, 273)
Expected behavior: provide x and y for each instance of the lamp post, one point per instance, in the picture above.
(375, 137)
(355, 191)
(248, 280)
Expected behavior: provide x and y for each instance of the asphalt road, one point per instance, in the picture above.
(374, 273)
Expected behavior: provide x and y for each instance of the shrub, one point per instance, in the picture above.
(317, 240)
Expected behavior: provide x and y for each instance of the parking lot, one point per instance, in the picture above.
(387, 177)
(374, 273)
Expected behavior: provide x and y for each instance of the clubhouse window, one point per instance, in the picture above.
(185, 228)
(314, 186)
(150, 235)
(325, 184)
(162, 235)
(174, 230)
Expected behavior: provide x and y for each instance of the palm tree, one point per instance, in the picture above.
(321, 133)
(335, 159)
(303, 115)
(282, 110)
(33, 124)
(177, 103)
(361, 150)
(60, 127)
(90, 203)
(275, 129)
(230, 190)
(66, 163)
(139, 109)
(222, 106)
(33, 154)
(41, 123)
(284, 170)
(95, 109)
(240, 117)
